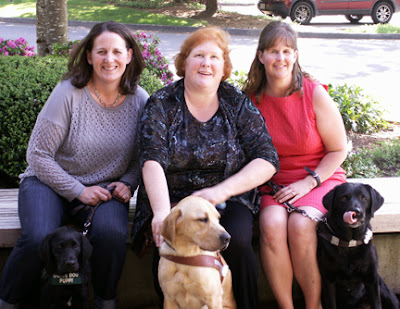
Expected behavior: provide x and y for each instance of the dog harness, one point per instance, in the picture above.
(65, 279)
(202, 261)
(343, 243)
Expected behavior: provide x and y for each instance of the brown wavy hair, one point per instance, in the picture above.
(80, 71)
(215, 34)
(257, 82)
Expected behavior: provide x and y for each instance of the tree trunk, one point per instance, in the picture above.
(51, 24)
(211, 8)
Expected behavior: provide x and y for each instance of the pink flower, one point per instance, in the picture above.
(20, 41)
(11, 44)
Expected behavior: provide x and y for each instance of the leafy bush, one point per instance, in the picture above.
(26, 84)
(360, 165)
(360, 112)
(64, 49)
(149, 82)
(18, 47)
(237, 78)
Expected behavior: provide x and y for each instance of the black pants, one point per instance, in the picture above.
(238, 221)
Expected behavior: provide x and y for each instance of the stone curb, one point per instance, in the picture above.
(231, 31)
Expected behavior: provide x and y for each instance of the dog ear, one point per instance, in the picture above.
(86, 247)
(46, 255)
(376, 199)
(85, 254)
(169, 225)
(328, 199)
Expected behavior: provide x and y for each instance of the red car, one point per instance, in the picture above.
(302, 11)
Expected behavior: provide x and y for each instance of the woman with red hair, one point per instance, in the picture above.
(201, 136)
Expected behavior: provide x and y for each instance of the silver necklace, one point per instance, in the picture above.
(104, 103)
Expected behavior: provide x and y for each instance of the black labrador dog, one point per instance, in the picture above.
(347, 258)
(65, 254)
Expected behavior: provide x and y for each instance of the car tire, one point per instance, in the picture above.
(354, 19)
(302, 13)
(382, 12)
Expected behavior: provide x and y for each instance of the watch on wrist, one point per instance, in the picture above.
(314, 175)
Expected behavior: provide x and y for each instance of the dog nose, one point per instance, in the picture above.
(225, 238)
(71, 261)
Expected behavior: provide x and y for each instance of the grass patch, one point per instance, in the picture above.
(378, 28)
(98, 11)
(142, 4)
(18, 8)
(387, 157)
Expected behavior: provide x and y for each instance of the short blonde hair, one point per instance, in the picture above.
(215, 34)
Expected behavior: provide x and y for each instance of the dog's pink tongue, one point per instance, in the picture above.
(350, 217)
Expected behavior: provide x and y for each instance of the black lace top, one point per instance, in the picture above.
(198, 154)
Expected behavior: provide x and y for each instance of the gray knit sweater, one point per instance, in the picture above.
(77, 143)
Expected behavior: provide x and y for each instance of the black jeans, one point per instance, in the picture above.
(41, 211)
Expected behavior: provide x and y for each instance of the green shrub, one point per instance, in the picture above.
(26, 84)
(382, 161)
(237, 78)
(387, 157)
(360, 112)
(149, 82)
(360, 165)
(64, 49)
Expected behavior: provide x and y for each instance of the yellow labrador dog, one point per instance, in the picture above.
(191, 271)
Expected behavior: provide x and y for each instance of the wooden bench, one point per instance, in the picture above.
(10, 227)
(136, 286)
(386, 220)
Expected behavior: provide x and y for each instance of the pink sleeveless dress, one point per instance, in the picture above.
(292, 125)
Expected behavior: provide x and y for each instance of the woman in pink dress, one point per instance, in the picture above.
(308, 132)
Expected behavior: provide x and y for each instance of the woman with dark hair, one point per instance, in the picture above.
(201, 136)
(82, 151)
(308, 132)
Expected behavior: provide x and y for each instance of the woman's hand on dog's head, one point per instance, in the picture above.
(94, 194)
(215, 195)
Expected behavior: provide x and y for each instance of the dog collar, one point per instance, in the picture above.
(202, 261)
(343, 243)
(66, 279)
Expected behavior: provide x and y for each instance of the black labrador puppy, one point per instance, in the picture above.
(65, 254)
(347, 258)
